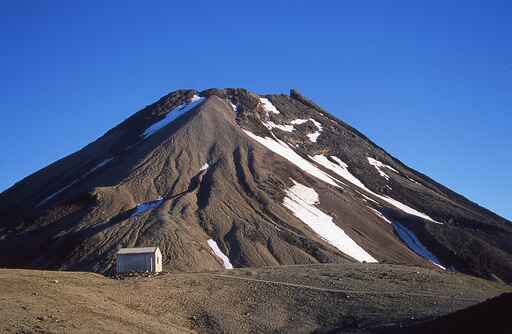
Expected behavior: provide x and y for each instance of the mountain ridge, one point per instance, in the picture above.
(294, 93)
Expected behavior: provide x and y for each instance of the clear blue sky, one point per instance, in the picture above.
(430, 81)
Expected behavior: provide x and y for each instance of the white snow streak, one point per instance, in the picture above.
(301, 200)
(407, 209)
(279, 147)
(414, 244)
(379, 166)
(98, 166)
(56, 193)
(299, 121)
(313, 136)
(410, 239)
(341, 169)
(101, 164)
(414, 181)
(216, 250)
(282, 149)
(146, 206)
(204, 167)
(271, 125)
(378, 213)
(317, 124)
(173, 115)
(289, 127)
(235, 108)
(368, 198)
(268, 106)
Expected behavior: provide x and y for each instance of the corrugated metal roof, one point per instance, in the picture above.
(138, 250)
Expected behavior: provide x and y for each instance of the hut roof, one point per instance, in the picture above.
(138, 250)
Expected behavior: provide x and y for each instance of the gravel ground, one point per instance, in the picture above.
(343, 298)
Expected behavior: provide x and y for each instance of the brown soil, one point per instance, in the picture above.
(347, 298)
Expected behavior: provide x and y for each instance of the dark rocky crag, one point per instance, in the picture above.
(75, 213)
(490, 316)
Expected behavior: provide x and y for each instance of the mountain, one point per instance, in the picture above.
(225, 177)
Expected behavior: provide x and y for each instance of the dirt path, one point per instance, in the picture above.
(344, 291)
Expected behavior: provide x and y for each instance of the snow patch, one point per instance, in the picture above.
(268, 106)
(313, 136)
(410, 239)
(235, 108)
(218, 253)
(379, 166)
(414, 244)
(285, 151)
(204, 167)
(146, 206)
(407, 209)
(301, 200)
(173, 115)
(341, 168)
(289, 127)
(317, 124)
(271, 125)
(299, 121)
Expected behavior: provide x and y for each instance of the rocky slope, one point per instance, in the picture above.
(490, 316)
(270, 180)
(339, 298)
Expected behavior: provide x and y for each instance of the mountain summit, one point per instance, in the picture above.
(226, 177)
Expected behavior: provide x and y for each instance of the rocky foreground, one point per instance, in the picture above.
(335, 298)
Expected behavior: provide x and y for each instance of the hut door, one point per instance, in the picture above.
(149, 263)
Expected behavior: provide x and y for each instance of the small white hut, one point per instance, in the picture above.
(142, 259)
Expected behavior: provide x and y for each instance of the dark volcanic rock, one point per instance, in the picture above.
(491, 316)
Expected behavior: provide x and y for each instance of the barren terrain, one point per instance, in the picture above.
(346, 298)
